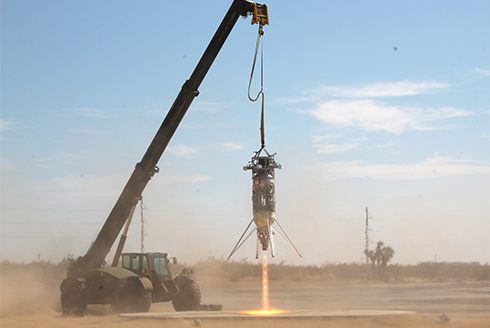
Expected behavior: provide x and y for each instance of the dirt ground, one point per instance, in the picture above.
(27, 302)
(55, 320)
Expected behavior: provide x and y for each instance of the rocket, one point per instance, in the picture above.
(263, 166)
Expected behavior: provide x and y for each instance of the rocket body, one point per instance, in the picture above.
(264, 220)
(263, 195)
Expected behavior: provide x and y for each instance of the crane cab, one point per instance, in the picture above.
(144, 263)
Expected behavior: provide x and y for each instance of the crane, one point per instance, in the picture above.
(88, 281)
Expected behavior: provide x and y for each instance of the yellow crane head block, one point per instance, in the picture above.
(260, 14)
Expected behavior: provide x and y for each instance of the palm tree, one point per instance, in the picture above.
(386, 256)
(379, 252)
(372, 257)
(380, 258)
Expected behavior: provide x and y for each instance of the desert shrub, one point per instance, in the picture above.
(445, 271)
(42, 271)
(220, 269)
(346, 271)
(484, 272)
(232, 271)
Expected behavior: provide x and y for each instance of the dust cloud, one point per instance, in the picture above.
(27, 290)
(30, 298)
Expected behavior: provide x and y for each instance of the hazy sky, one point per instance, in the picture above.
(378, 104)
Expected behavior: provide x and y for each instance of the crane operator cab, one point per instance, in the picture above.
(182, 290)
(144, 263)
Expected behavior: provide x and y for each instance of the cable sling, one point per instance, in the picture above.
(261, 92)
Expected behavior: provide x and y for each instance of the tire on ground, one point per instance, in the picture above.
(189, 297)
(73, 299)
(133, 298)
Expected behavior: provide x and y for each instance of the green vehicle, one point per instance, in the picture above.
(183, 290)
(144, 278)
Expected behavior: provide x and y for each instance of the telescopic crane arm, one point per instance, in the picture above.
(145, 169)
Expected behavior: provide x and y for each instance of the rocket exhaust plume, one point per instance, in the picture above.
(265, 285)
(265, 294)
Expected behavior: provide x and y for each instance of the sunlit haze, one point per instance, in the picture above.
(376, 104)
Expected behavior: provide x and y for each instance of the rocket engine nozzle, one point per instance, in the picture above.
(263, 236)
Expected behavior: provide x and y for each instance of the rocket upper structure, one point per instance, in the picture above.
(263, 166)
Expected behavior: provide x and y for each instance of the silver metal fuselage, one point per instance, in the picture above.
(263, 195)
(264, 205)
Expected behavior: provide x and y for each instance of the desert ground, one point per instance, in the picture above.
(28, 302)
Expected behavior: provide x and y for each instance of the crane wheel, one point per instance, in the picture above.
(73, 299)
(189, 297)
(133, 298)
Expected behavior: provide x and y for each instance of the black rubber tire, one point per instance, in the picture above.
(189, 298)
(140, 302)
(73, 299)
(133, 298)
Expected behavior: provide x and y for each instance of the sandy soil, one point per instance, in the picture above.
(464, 299)
(55, 320)
(28, 302)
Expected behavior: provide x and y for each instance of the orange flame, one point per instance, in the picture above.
(264, 312)
(265, 295)
(265, 285)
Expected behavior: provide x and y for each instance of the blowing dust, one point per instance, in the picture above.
(30, 298)
(28, 292)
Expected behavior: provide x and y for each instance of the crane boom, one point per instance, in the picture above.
(146, 168)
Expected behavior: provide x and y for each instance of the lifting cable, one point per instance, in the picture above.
(261, 92)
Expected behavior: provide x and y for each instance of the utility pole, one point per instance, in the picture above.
(366, 234)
